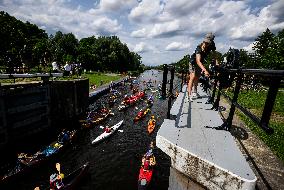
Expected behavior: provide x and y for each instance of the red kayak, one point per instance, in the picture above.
(145, 177)
(146, 170)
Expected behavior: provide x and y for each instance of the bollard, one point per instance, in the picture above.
(170, 92)
(228, 123)
(165, 75)
(181, 85)
(269, 103)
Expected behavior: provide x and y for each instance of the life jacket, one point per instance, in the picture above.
(107, 130)
(146, 165)
(52, 181)
(152, 122)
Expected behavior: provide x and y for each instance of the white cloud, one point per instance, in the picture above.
(177, 46)
(139, 33)
(143, 47)
(145, 11)
(57, 14)
(165, 29)
(249, 47)
(116, 6)
(166, 26)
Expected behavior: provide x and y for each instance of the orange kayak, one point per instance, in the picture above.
(151, 127)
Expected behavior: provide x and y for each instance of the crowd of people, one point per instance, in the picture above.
(67, 69)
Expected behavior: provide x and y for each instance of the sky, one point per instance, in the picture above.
(160, 31)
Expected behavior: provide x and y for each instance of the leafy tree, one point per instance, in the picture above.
(26, 43)
(269, 50)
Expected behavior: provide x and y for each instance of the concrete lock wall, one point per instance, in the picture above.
(27, 109)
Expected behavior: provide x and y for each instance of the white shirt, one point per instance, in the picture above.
(54, 66)
(67, 67)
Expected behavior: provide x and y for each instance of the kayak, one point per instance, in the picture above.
(144, 178)
(26, 163)
(52, 149)
(72, 180)
(95, 118)
(141, 114)
(145, 175)
(105, 134)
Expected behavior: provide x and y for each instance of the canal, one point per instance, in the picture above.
(114, 162)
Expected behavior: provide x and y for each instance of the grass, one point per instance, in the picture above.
(255, 101)
(94, 78)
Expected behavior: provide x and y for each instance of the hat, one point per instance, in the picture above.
(207, 40)
(210, 36)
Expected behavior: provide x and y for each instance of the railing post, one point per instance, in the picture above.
(228, 123)
(211, 99)
(165, 75)
(181, 85)
(170, 92)
(269, 103)
(216, 103)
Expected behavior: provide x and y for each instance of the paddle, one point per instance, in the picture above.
(120, 130)
(57, 165)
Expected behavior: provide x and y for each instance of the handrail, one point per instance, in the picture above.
(275, 75)
(262, 72)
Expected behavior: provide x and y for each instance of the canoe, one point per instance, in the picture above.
(27, 164)
(151, 127)
(105, 134)
(72, 180)
(96, 118)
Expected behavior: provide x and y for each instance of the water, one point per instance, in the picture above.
(114, 162)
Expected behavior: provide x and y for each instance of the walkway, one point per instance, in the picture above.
(208, 156)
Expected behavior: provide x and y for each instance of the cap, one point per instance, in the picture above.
(210, 36)
(206, 40)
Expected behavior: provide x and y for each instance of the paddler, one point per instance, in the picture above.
(148, 161)
(108, 129)
(152, 121)
(55, 181)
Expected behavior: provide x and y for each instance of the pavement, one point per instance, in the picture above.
(197, 149)
(268, 168)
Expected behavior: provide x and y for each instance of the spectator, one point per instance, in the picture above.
(67, 69)
(55, 68)
(196, 67)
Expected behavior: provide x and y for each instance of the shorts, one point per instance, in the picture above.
(194, 68)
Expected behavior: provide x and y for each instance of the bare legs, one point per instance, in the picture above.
(192, 83)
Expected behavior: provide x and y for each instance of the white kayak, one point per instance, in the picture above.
(105, 134)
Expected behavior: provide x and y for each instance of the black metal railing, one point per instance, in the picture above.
(224, 75)
(164, 89)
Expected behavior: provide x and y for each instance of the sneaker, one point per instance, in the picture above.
(193, 95)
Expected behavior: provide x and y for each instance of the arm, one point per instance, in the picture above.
(198, 61)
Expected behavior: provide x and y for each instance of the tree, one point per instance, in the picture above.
(269, 50)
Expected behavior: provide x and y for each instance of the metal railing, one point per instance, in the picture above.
(237, 75)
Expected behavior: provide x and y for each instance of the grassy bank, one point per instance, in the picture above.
(95, 78)
(255, 101)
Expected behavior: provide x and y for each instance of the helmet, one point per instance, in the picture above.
(152, 117)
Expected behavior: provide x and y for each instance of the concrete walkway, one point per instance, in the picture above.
(208, 156)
